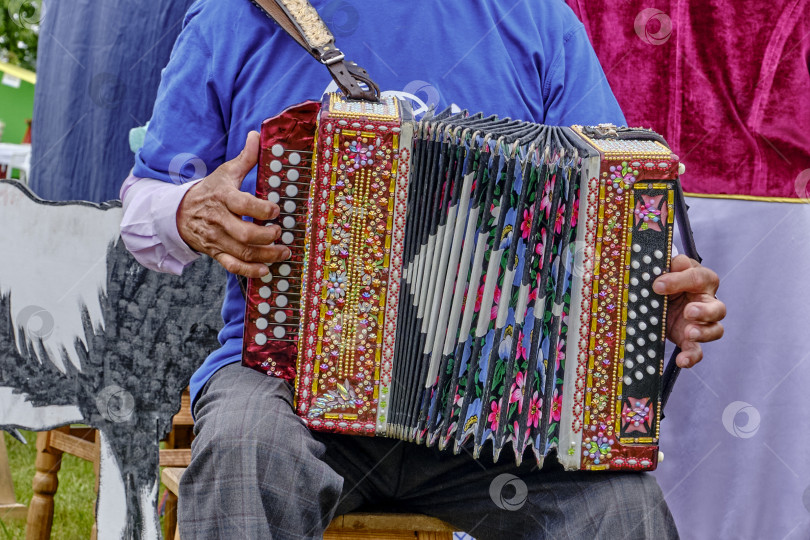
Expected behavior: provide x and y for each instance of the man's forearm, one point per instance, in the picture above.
(149, 224)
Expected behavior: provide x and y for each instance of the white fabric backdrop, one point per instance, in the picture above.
(737, 434)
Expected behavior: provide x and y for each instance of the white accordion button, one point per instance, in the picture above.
(264, 308)
(275, 165)
(281, 301)
(653, 320)
(640, 342)
(653, 337)
(284, 269)
(629, 363)
(279, 332)
(651, 353)
(655, 304)
(647, 259)
(628, 381)
(287, 237)
(636, 248)
(280, 317)
(291, 191)
(264, 292)
(273, 197)
(645, 276)
(643, 309)
(634, 281)
(274, 181)
(642, 325)
(260, 339)
(630, 347)
(635, 264)
(293, 175)
(657, 271)
(631, 331)
(632, 315)
(267, 278)
(639, 375)
(658, 254)
(288, 222)
(645, 293)
(633, 297)
(289, 207)
(640, 358)
(283, 285)
(295, 158)
(651, 370)
(261, 323)
(277, 150)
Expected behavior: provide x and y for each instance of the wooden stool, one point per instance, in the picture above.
(350, 526)
(83, 442)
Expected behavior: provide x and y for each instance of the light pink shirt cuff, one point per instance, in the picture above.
(149, 224)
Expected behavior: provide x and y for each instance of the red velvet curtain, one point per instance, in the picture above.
(726, 82)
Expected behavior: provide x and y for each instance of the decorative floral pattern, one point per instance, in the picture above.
(636, 415)
(650, 212)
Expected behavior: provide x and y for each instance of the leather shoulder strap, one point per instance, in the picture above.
(301, 21)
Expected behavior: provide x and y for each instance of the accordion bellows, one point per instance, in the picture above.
(467, 278)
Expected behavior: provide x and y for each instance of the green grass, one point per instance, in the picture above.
(74, 500)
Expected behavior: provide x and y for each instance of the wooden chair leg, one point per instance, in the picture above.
(40, 511)
(10, 509)
(170, 517)
(96, 469)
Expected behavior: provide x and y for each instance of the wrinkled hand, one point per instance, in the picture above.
(694, 312)
(209, 218)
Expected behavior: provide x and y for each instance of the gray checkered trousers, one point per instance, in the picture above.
(257, 472)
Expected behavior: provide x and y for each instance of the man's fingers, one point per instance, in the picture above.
(703, 333)
(691, 354)
(249, 233)
(707, 310)
(694, 279)
(236, 266)
(245, 204)
(239, 166)
(250, 253)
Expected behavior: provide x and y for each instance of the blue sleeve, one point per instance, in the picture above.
(576, 90)
(186, 138)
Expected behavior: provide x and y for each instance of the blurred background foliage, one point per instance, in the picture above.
(19, 28)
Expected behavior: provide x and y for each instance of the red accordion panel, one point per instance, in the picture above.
(272, 314)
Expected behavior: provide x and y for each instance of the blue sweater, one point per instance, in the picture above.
(232, 67)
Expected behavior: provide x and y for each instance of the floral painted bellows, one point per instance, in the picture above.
(464, 278)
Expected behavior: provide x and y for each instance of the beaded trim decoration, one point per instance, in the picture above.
(584, 351)
(397, 226)
(344, 333)
(631, 209)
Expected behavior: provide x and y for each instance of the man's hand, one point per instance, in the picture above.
(694, 311)
(210, 221)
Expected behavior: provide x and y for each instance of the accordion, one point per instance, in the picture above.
(467, 277)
